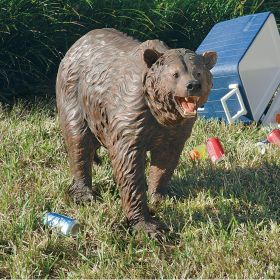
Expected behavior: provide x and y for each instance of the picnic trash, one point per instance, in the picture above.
(277, 118)
(198, 152)
(274, 137)
(213, 149)
(63, 224)
(262, 145)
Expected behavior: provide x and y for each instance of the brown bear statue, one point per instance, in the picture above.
(129, 97)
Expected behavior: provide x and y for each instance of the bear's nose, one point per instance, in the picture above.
(193, 86)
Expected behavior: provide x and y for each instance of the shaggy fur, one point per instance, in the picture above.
(130, 97)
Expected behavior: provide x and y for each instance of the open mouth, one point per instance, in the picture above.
(188, 105)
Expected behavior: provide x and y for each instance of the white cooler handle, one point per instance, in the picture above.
(234, 90)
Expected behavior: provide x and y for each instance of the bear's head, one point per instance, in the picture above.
(176, 83)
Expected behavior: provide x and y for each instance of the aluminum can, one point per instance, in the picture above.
(274, 137)
(215, 149)
(63, 224)
(262, 146)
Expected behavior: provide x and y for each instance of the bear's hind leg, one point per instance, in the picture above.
(81, 146)
(81, 163)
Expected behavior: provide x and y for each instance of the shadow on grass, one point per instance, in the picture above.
(226, 197)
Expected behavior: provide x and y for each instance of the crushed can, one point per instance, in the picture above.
(215, 149)
(199, 152)
(262, 146)
(63, 224)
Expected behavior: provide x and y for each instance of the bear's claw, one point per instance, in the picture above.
(81, 194)
(153, 227)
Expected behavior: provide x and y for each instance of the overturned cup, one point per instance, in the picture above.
(215, 149)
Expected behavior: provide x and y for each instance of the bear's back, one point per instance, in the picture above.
(95, 62)
(100, 45)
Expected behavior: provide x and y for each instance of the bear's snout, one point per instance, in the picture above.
(193, 86)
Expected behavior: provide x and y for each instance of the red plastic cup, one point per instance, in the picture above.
(215, 149)
(274, 137)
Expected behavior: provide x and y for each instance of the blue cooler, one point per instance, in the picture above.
(246, 77)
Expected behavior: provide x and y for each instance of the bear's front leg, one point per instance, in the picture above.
(165, 155)
(128, 164)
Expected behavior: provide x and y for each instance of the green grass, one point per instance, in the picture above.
(224, 219)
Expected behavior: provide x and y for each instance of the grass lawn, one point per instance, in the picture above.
(224, 220)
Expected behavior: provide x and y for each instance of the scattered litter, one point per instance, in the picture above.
(199, 152)
(274, 137)
(262, 145)
(63, 224)
(213, 149)
(277, 118)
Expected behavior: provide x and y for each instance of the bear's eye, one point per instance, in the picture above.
(198, 74)
(176, 75)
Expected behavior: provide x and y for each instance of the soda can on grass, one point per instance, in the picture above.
(215, 149)
(63, 224)
(262, 146)
(274, 137)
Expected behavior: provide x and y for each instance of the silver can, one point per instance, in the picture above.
(63, 224)
(262, 145)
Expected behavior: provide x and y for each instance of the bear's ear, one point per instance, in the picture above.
(151, 56)
(210, 59)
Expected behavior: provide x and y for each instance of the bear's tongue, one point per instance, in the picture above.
(188, 105)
